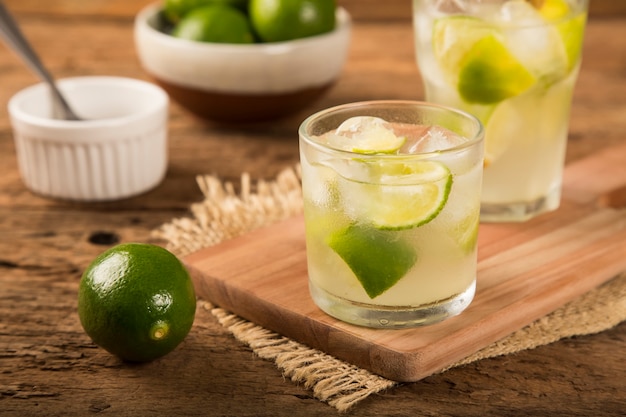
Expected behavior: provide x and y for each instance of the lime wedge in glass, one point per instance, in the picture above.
(377, 258)
(453, 38)
(474, 56)
(489, 73)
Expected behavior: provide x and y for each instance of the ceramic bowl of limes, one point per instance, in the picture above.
(243, 60)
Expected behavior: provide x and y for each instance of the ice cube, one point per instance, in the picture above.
(452, 6)
(478, 7)
(487, 9)
(519, 11)
(534, 42)
(432, 139)
(321, 185)
(360, 125)
(364, 135)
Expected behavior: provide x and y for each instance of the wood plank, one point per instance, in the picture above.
(525, 271)
(361, 10)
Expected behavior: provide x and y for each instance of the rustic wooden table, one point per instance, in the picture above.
(49, 367)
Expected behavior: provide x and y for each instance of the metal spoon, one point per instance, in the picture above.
(12, 35)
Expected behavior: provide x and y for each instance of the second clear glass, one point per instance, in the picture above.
(513, 64)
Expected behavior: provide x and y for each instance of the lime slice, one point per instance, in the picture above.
(503, 127)
(365, 135)
(377, 258)
(572, 32)
(405, 195)
(489, 73)
(465, 232)
(571, 29)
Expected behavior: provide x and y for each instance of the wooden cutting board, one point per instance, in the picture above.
(525, 271)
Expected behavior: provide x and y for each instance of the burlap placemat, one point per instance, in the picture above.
(226, 213)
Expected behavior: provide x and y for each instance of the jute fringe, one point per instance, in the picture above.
(338, 383)
(225, 213)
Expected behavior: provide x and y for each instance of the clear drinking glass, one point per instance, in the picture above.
(513, 64)
(391, 204)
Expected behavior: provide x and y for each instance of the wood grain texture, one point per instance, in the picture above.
(361, 10)
(49, 367)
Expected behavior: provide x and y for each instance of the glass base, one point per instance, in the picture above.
(520, 211)
(391, 317)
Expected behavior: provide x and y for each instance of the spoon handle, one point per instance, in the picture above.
(12, 35)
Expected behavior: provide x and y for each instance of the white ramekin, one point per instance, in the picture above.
(118, 151)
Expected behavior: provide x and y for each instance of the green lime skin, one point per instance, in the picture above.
(174, 10)
(378, 258)
(215, 23)
(283, 20)
(136, 301)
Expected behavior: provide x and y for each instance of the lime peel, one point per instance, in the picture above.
(121, 300)
(490, 73)
(419, 192)
(377, 258)
(572, 33)
(216, 23)
(453, 37)
(466, 232)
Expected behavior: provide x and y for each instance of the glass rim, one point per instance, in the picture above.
(580, 7)
(478, 137)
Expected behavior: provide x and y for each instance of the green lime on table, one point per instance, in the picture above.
(282, 20)
(136, 301)
(215, 23)
(377, 258)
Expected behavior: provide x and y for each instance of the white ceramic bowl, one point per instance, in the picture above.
(119, 151)
(235, 82)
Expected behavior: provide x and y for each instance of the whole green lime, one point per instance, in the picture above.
(282, 20)
(136, 301)
(174, 10)
(215, 23)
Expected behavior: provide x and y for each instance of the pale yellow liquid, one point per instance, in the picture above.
(533, 130)
(445, 247)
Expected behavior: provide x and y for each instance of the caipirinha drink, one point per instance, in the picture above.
(391, 202)
(512, 63)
